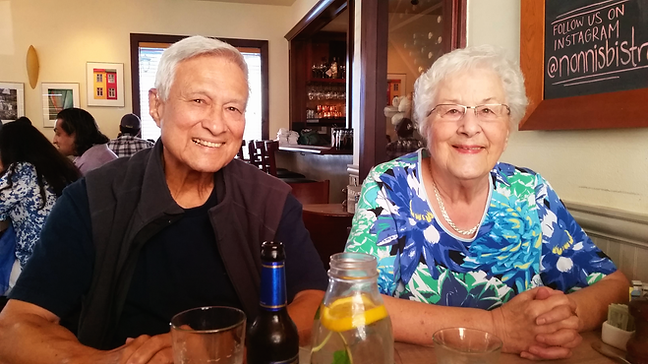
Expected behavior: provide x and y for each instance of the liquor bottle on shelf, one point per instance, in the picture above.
(273, 336)
(323, 67)
(315, 71)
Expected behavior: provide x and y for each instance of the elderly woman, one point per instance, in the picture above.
(76, 134)
(457, 232)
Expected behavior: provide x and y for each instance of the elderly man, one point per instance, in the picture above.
(129, 140)
(173, 227)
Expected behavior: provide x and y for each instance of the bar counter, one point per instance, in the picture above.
(313, 149)
(318, 163)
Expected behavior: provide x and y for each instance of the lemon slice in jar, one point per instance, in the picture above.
(347, 313)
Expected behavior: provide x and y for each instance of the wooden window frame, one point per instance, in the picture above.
(137, 38)
(374, 28)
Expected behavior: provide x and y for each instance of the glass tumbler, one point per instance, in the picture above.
(212, 334)
(466, 346)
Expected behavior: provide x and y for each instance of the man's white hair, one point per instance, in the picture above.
(190, 47)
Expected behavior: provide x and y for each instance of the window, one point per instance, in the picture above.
(99, 91)
(99, 77)
(146, 50)
(111, 92)
(111, 77)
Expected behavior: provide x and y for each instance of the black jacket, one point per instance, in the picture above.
(130, 202)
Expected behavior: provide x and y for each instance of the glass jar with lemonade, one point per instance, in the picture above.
(352, 325)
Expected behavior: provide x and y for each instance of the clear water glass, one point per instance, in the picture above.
(212, 334)
(460, 345)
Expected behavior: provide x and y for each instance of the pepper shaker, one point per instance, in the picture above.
(638, 344)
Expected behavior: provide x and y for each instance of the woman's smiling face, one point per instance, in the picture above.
(470, 147)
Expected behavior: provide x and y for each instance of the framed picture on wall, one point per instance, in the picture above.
(12, 101)
(105, 84)
(396, 84)
(56, 97)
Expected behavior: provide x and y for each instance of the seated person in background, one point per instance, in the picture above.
(457, 232)
(171, 228)
(76, 134)
(129, 140)
(400, 113)
(406, 143)
(32, 176)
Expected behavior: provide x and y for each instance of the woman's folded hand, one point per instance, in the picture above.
(539, 324)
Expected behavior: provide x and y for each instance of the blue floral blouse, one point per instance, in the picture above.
(526, 238)
(23, 204)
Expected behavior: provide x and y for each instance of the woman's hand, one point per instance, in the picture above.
(539, 324)
(559, 327)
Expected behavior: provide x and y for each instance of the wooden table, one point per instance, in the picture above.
(327, 209)
(328, 225)
(416, 354)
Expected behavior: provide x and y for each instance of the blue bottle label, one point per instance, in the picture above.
(273, 286)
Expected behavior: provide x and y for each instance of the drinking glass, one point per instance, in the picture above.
(212, 334)
(466, 346)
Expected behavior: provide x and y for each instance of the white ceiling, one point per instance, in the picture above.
(258, 2)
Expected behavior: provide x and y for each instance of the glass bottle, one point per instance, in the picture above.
(323, 67)
(352, 324)
(637, 346)
(273, 337)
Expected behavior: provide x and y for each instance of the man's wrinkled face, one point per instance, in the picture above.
(203, 119)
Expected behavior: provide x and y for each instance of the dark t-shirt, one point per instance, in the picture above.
(178, 269)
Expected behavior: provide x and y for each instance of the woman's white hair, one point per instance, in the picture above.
(190, 47)
(466, 59)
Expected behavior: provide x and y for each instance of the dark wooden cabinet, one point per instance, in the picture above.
(319, 100)
(325, 84)
(319, 92)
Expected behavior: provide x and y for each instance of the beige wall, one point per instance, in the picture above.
(298, 10)
(68, 33)
(607, 167)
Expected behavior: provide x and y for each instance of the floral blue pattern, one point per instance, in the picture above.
(23, 204)
(526, 238)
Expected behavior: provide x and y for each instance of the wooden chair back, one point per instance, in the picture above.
(255, 154)
(311, 192)
(270, 147)
(328, 226)
(240, 155)
(262, 155)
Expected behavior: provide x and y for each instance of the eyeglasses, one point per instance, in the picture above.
(486, 112)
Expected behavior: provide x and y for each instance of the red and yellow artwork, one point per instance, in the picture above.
(394, 89)
(105, 84)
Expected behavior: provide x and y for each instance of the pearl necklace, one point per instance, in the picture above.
(447, 218)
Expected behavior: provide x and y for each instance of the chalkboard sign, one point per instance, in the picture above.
(592, 47)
